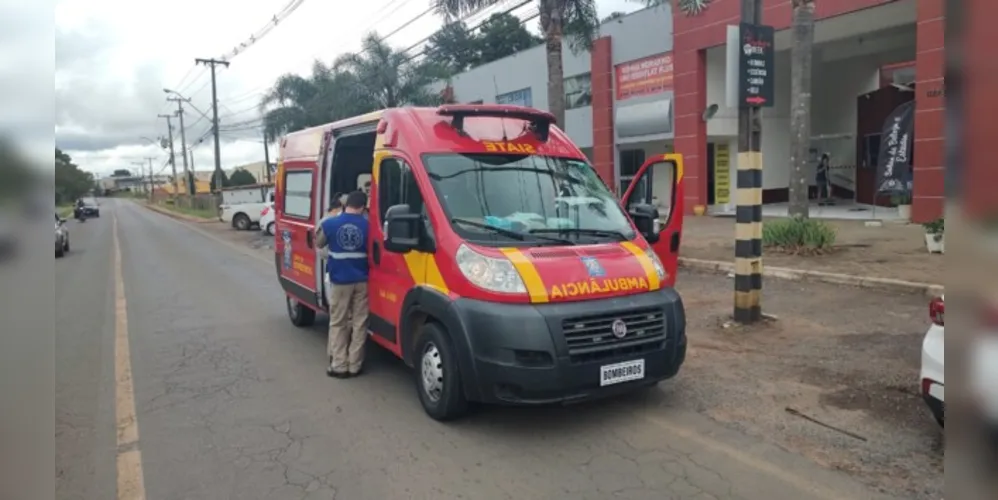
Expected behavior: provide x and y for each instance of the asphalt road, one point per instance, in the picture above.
(231, 401)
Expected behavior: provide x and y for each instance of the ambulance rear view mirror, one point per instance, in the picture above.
(645, 217)
(401, 229)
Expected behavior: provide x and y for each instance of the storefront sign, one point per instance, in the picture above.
(894, 158)
(722, 174)
(646, 76)
(755, 65)
(522, 97)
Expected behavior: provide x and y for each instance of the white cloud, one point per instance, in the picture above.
(114, 57)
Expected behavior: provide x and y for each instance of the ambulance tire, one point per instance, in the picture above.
(300, 314)
(437, 358)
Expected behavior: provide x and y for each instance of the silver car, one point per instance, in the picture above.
(61, 236)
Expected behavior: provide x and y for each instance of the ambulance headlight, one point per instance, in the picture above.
(489, 273)
(655, 261)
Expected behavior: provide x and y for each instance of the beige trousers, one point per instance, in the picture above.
(347, 326)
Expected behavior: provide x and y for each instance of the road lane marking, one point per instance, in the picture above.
(131, 485)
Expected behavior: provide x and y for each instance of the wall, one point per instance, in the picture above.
(842, 71)
(634, 36)
(693, 35)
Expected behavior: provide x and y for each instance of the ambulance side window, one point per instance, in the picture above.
(397, 186)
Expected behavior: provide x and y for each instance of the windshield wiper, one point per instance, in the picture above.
(619, 235)
(508, 232)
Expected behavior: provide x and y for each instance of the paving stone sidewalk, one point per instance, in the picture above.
(893, 251)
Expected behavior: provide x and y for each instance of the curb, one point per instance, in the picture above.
(175, 215)
(885, 284)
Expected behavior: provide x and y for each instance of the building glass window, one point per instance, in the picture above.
(522, 97)
(630, 162)
(578, 91)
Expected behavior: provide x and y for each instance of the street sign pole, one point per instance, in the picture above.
(755, 90)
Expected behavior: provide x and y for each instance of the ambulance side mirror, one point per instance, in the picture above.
(645, 219)
(401, 229)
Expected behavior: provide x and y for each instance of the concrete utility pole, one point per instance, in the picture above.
(214, 115)
(173, 158)
(151, 184)
(142, 169)
(183, 141)
(748, 218)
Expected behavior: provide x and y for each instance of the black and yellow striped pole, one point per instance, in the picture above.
(748, 198)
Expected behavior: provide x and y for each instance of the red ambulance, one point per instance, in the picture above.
(502, 268)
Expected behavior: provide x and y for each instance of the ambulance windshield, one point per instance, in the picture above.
(538, 197)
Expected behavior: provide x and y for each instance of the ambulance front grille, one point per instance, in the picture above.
(591, 337)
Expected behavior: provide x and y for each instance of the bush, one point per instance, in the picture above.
(937, 226)
(798, 236)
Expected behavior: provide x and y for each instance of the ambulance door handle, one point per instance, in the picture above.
(674, 242)
(309, 238)
(376, 253)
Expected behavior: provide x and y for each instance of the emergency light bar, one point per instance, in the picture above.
(540, 121)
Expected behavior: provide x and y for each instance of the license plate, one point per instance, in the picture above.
(622, 372)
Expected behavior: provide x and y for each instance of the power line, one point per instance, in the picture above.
(477, 26)
(482, 11)
(255, 37)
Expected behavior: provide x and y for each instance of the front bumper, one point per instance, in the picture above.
(553, 353)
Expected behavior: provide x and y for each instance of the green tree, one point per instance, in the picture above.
(71, 183)
(390, 78)
(214, 178)
(453, 48)
(241, 177)
(296, 102)
(503, 35)
(576, 18)
(613, 17)
(16, 174)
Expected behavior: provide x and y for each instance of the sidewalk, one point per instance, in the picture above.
(892, 251)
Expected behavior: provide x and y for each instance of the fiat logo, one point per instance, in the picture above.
(619, 328)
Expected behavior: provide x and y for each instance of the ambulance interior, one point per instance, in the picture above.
(350, 168)
(348, 171)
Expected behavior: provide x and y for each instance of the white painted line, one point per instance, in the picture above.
(131, 485)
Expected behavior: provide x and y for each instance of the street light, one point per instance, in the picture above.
(188, 101)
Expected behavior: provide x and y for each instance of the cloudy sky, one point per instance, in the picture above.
(115, 57)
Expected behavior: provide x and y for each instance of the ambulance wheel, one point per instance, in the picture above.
(300, 314)
(438, 379)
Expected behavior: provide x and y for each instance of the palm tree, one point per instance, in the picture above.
(576, 18)
(389, 78)
(800, 106)
(296, 102)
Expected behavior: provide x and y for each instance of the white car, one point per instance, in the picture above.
(267, 219)
(933, 353)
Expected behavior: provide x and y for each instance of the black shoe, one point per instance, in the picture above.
(330, 372)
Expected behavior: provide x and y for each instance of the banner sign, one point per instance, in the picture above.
(894, 158)
(722, 174)
(755, 65)
(645, 76)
